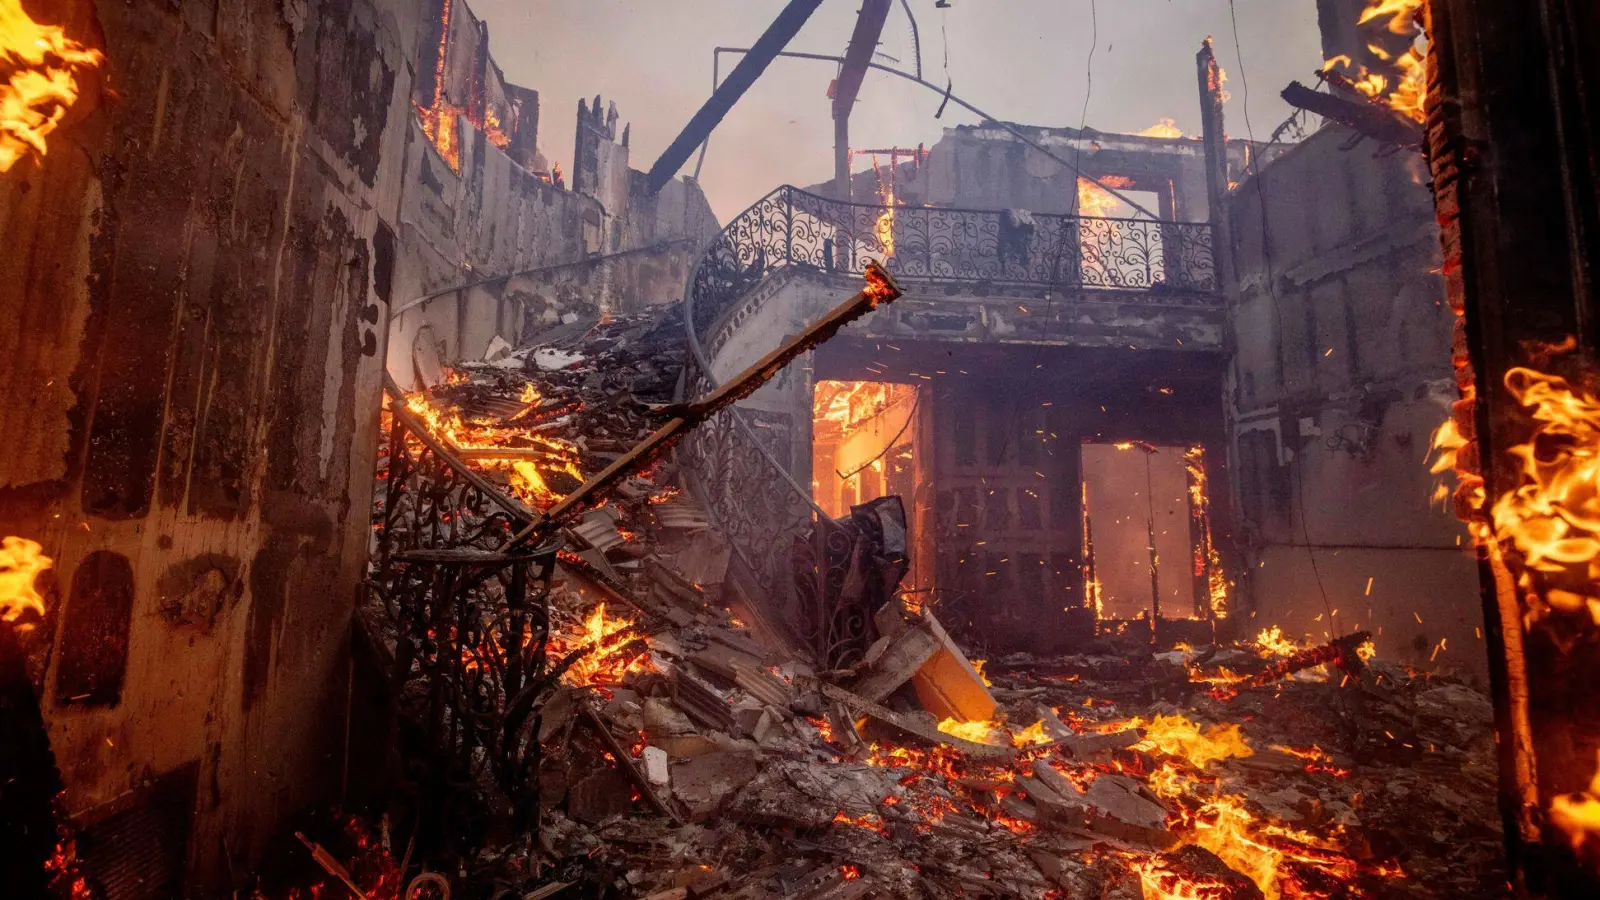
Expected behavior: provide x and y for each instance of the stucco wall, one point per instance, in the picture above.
(194, 290)
(1342, 373)
(195, 297)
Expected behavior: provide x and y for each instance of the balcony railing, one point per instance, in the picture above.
(740, 461)
(792, 228)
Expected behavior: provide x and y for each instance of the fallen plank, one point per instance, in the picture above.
(899, 662)
(948, 685)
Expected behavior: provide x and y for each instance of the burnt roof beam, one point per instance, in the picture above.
(762, 53)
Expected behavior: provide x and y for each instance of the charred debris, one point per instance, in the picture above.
(639, 728)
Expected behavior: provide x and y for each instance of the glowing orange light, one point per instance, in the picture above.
(20, 562)
(43, 65)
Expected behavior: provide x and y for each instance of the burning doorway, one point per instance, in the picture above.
(1148, 551)
(862, 443)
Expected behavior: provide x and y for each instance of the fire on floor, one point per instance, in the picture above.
(683, 748)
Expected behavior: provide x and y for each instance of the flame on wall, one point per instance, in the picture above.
(1407, 93)
(21, 561)
(439, 118)
(41, 66)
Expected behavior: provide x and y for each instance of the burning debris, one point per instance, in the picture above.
(672, 751)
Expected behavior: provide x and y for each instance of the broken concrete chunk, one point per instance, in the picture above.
(900, 660)
(655, 766)
(703, 783)
(604, 794)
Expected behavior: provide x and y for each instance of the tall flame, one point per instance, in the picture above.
(1405, 94)
(42, 65)
(1166, 128)
(1095, 201)
(21, 560)
(1553, 515)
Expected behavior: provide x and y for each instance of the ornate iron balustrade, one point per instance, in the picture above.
(790, 227)
(745, 458)
(469, 628)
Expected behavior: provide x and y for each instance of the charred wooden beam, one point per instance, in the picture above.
(761, 55)
(1374, 120)
(1512, 136)
(863, 42)
(29, 779)
(1341, 652)
(881, 288)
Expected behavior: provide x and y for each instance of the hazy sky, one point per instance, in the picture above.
(1019, 60)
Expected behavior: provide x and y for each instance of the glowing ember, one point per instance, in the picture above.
(1578, 814)
(1166, 128)
(43, 65)
(20, 562)
(527, 478)
(1162, 882)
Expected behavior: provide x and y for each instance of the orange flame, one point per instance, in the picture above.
(1095, 201)
(1553, 515)
(1273, 642)
(1578, 814)
(1176, 735)
(884, 229)
(42, 83)
(605, 638)
(1407, 93)
(1166, 128)
(528, 479)
(20, 562)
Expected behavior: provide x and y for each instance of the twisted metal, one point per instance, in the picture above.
(469, 627)
(744, 459)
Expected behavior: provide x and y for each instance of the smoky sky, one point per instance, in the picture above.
(1022, 61)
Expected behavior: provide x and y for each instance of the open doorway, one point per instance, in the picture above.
(1148, 551)
(863, 433)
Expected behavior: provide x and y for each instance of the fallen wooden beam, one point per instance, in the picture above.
(1341, 652)
(1374, 120)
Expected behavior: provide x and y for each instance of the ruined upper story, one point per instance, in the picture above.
(987, 167)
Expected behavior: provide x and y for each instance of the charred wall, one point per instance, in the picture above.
(196, 291)
(525, 252)
(1342, 373)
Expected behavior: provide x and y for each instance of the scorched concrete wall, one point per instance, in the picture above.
(1342, 373)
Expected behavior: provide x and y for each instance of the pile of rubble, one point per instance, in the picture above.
(688, 755)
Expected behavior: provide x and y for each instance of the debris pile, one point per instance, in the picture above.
(683, 753)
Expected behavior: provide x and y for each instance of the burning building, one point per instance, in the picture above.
(1043, 513)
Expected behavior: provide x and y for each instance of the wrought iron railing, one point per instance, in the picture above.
(792, 228)
(745, 458)
(466, 628)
